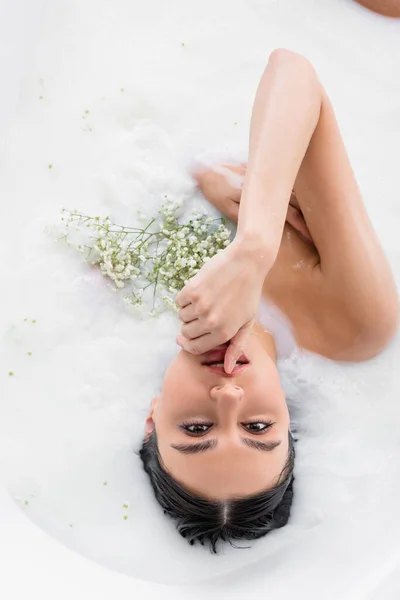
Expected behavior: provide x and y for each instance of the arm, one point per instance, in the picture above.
(294, 142)
(353, 271)
(224, 193)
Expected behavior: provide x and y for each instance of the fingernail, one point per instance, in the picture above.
(178, 341)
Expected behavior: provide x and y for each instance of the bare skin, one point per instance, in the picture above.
(342, 302)
(388, 8)
(286, 282)
(304, 241)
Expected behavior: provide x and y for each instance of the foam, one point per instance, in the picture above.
(72, 415)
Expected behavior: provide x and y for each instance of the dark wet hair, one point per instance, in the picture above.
(202, 520)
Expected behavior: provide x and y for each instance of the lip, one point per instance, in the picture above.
(221, 371)
(218, 355)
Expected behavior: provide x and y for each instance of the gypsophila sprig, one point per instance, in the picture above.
(162, 254)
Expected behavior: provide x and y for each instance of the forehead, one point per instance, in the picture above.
(226, 471)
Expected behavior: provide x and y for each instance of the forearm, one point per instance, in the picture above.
(285, 114)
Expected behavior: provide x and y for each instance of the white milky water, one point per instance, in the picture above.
(166, 83)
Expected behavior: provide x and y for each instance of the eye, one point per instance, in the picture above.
(257, 426)
(195, 428)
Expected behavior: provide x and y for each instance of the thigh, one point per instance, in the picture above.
(353, 274)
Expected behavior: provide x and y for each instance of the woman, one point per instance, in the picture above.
(218, 448)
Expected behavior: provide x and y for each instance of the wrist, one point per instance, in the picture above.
(256, 250)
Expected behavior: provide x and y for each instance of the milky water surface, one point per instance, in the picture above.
(164, 83)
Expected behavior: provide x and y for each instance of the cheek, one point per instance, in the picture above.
(180, 383)
(179, 398)
(267, 381)
(267, 388)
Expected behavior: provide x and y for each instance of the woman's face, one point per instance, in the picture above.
(222, 436)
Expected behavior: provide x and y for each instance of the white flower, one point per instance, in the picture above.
(124, 255)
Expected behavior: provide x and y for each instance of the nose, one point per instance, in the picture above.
(227, 394)
(228, 401)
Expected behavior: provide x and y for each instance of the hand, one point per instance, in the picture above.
(222, 187)
(220, 303)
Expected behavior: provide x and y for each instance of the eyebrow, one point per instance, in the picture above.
(211, 444)
(195, 448)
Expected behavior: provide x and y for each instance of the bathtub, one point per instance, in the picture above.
(33, 563)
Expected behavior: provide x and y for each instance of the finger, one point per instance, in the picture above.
(199, 345)
(187, 313)
(237, 346)
(295, 218)
(194, 329)
(183, 298)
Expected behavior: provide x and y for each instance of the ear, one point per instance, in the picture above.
(149, 424)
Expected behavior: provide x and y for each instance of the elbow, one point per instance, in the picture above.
(291, 65)
(280, 57)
